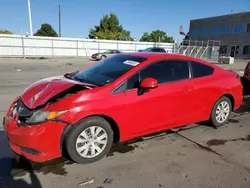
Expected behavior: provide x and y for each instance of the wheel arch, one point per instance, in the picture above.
(231, 99)
(228, 95)
(111, 121)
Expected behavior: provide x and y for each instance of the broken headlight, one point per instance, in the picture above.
(40, 116)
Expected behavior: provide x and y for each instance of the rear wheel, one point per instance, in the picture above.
(89, 140)
(221, 111)
(103, 57)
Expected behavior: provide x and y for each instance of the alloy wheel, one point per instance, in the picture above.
(222, 112)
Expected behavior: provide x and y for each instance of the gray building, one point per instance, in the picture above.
(233, 32)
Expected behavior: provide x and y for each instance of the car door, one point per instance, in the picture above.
(204, 92)
(164, 107)
(110, 53)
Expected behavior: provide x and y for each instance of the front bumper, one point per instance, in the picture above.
(38, 143)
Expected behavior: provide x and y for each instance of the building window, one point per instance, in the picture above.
(205, 31)
(237, 49)
(223, 50)
(248, 28)
(225, 29)
(238, 28)
(215, 30)
(196, 31)
(246, 50)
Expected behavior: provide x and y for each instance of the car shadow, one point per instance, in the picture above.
(245, 106)
(7, 164)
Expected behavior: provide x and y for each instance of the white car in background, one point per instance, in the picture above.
(105, 54)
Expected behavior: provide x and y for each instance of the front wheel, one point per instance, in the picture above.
(103, 57)
(221, 111)
(89, 140)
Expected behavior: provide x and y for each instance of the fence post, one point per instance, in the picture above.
(117, 45)
(23, 46)
(135, 47)
(52, 47)
(98, 46)
(77, 48)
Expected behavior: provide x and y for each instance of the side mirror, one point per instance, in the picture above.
(149, 83)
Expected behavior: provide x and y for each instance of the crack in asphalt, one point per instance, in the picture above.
(209, 149)
(206, 148)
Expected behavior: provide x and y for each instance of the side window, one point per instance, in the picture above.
(166, 71)
(133, 82)
(161, 50)
(201, 70)
(120, 89)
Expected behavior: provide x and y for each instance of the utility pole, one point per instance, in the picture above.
(30, 19)
(60, 34)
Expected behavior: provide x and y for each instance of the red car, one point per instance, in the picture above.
(246, 79)
(117, 99)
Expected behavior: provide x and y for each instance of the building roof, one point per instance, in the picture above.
(223, 16)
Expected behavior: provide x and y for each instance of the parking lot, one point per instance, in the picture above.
(196, 156)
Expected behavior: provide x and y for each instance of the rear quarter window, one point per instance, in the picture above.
(201, 70)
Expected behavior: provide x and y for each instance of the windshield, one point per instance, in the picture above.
(107, 52)
(108, 70)
(147, 50)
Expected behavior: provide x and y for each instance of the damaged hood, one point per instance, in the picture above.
(42, 91)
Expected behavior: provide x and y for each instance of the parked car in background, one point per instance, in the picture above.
(246, 79)
(105, 54)
(119, 98)
(153, 49)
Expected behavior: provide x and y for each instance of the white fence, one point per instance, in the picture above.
(21, 46)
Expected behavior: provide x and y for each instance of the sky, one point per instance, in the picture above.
(137, 16)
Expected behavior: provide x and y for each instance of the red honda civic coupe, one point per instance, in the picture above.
(117, 99)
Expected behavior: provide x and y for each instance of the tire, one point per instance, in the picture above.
(103, 57)
(83, 156)
(214, 119)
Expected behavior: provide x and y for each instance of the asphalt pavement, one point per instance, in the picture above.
(197, 156)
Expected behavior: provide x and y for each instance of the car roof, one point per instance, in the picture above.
(162, 55)
(157, 55)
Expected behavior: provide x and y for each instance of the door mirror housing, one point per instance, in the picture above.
(149, 83)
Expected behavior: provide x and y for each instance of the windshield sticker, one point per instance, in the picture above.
(132, 63)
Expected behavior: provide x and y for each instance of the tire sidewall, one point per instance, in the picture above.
(71, 137)
(213, 114)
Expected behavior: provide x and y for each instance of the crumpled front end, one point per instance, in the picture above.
(33, 131)
(38, 142)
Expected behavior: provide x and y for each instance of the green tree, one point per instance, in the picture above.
(156, 36)
(125, 35)
(46, 30)
(5, 32)
(110, 29)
